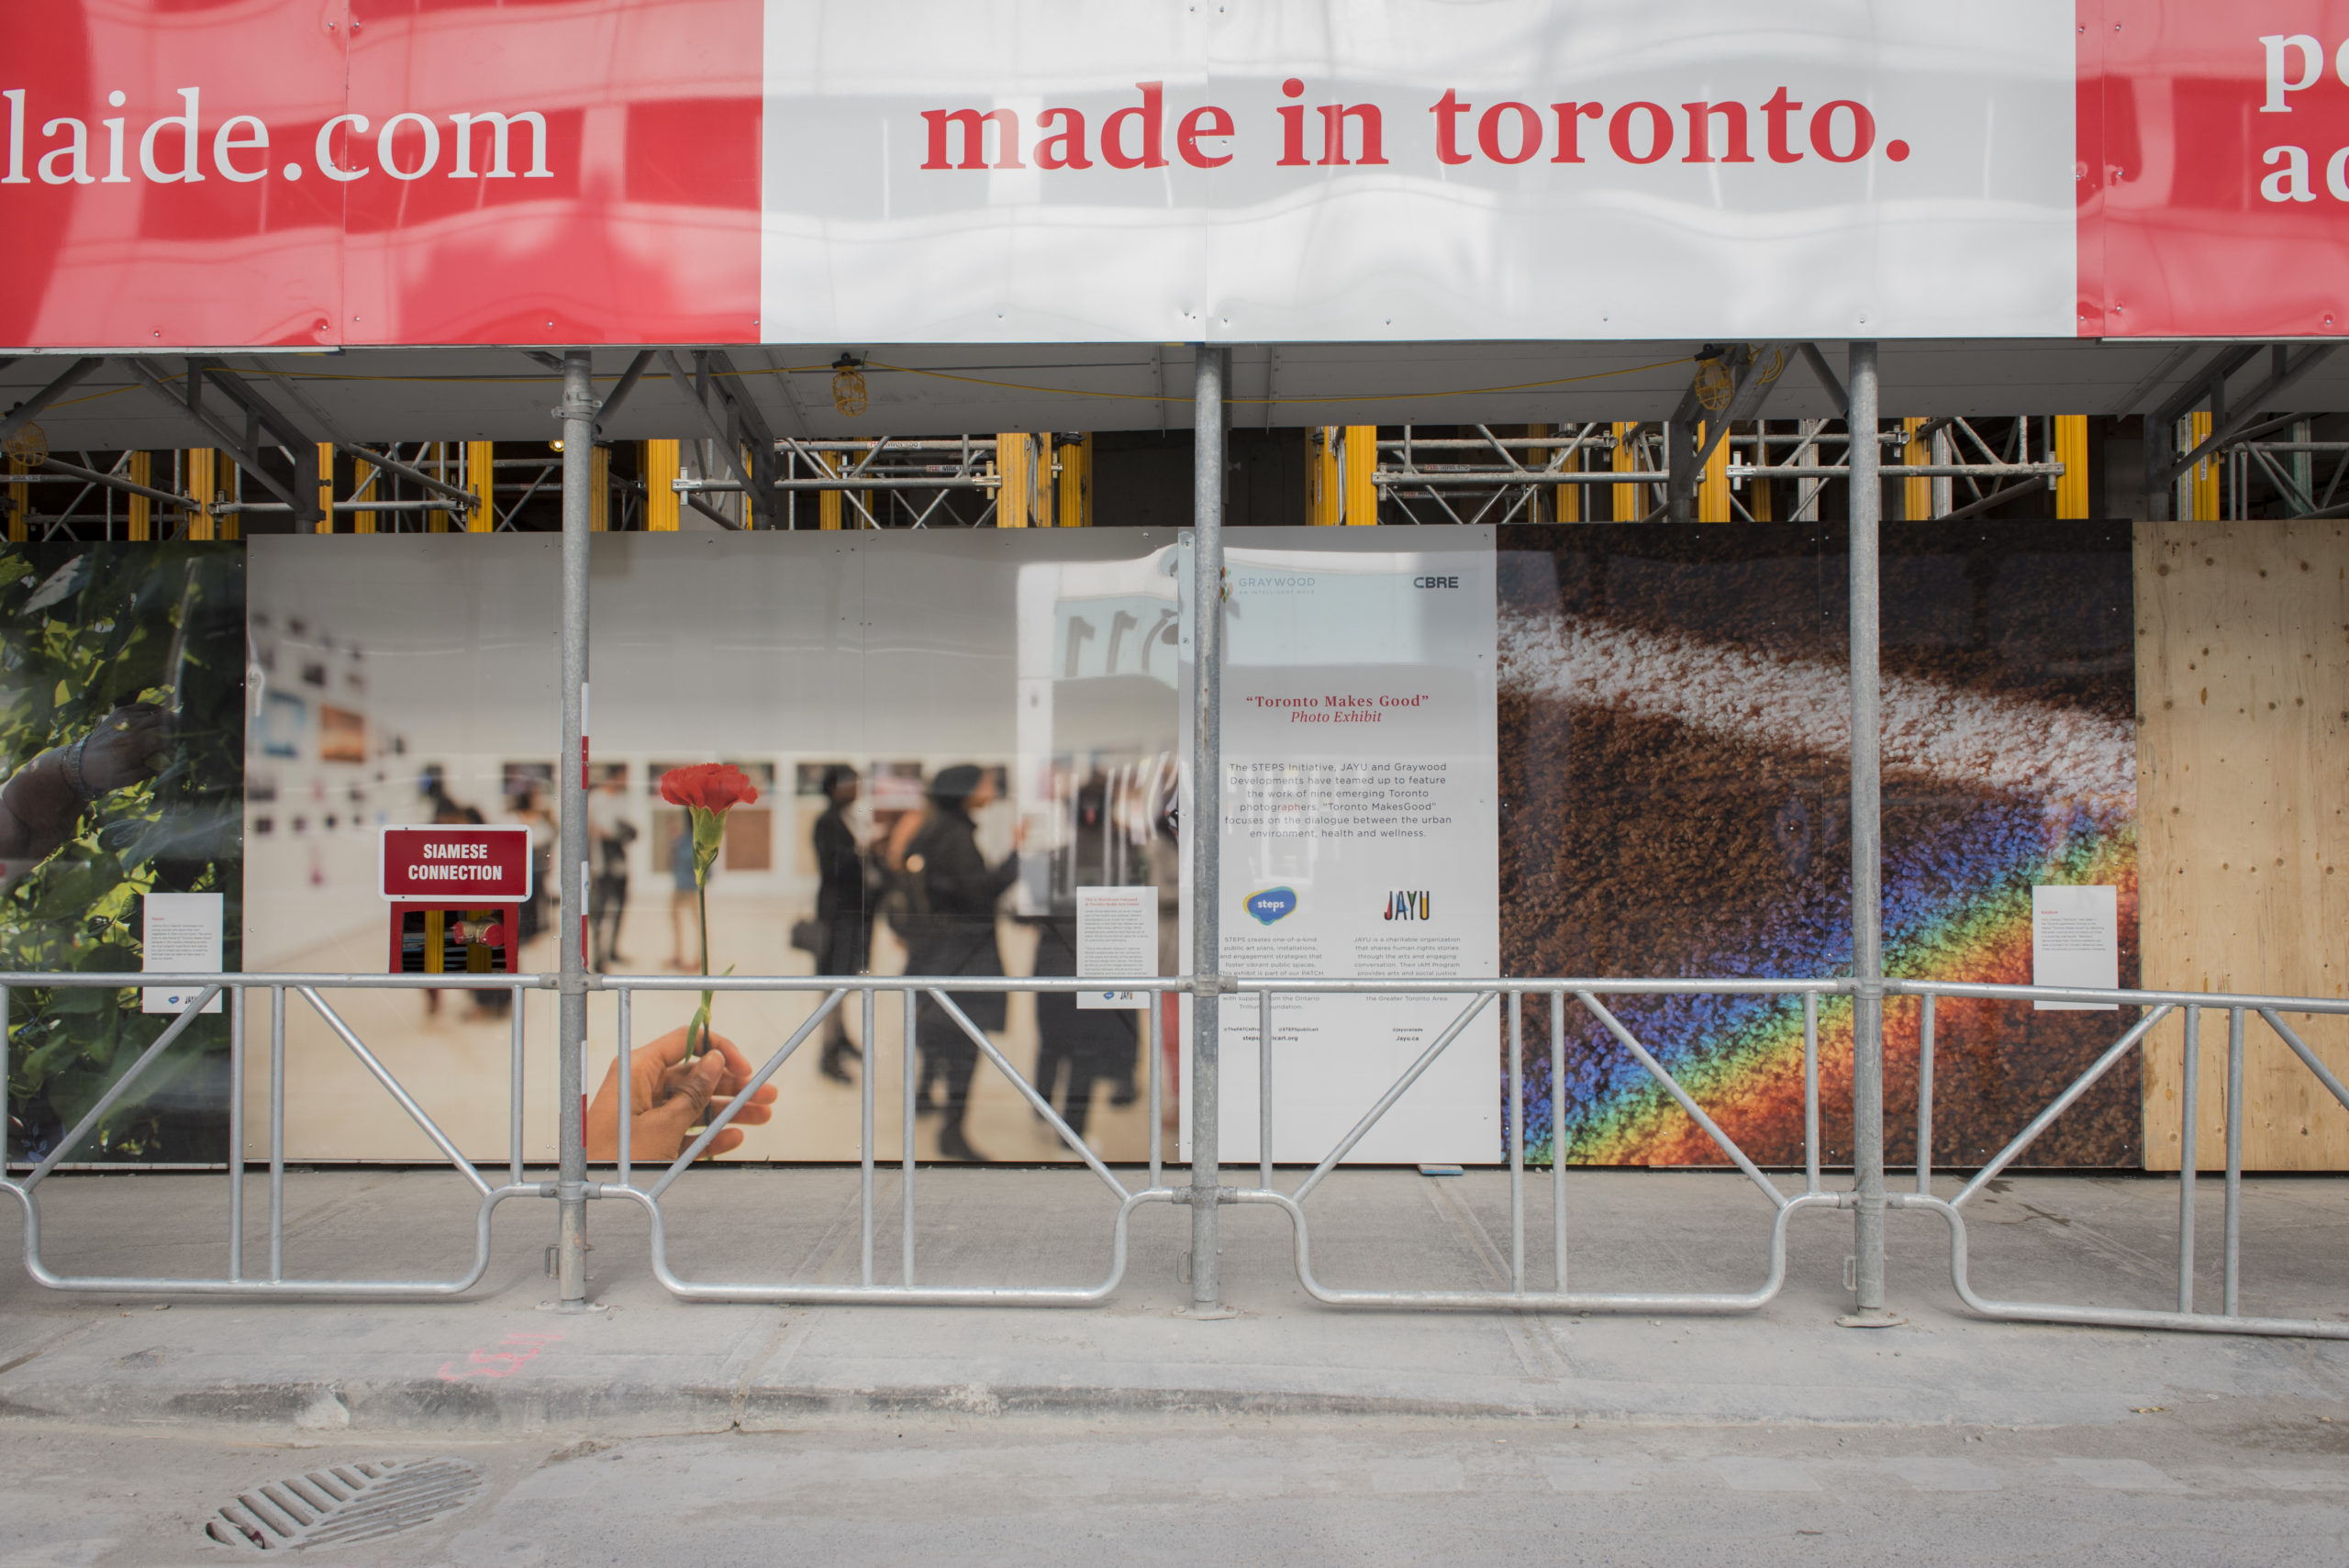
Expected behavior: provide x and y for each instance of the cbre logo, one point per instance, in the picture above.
(1272, 904)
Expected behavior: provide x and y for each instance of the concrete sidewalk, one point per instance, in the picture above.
(495, 1362)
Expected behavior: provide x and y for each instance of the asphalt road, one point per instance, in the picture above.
(2211, 1480)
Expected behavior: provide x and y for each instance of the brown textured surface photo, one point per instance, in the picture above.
(1675, 777)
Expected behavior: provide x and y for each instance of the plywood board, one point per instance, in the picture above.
(2243, 778)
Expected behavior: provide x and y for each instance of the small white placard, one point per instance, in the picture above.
(181, 936)
(2075, 941)
(1117, 938)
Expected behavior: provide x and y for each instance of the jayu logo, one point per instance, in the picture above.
(1272, 903)
(1408, 906)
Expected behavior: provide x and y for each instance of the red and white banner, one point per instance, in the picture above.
(460, 866)
(320, 172)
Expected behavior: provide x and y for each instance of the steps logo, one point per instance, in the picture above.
(1414, 905)
(1272, 904)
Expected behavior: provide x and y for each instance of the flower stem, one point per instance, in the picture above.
(701, 894)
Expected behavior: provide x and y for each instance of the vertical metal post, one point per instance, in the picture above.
(2229, 1304)
(864, 1138)
(1867, 844)
(1810, 1091)
(1517, 1141)
(236, 1126)
(1264, 1088)
(516, 1094)
(906, 1150)
(1925, 1097)
(277, 1133)
(578, 416)
(1155, 1043)
(1206, 820)
(628, 1088)
(2189, 1112)
(1558, 1137)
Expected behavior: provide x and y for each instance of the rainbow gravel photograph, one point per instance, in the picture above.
(1675, 775)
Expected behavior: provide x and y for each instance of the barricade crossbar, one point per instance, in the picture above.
(1476, 996)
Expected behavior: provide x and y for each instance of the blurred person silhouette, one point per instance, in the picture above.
(843, 907)
(681, 897)
(949, 926)
(1078, 1049)
(609, 833)
(446, 811)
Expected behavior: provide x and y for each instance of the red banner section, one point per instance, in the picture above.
(460, 866)
(364, 171)
(2214, 168)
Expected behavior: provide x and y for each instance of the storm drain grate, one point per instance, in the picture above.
(345, 1504)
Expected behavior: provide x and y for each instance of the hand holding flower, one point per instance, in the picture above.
(707, 791)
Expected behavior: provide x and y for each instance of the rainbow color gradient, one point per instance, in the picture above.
(1956, 907)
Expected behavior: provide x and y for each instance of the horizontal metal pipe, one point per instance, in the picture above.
(458, 980)
(894, 444)
(1903, 471)
(115, 481)
(864, 482)
(225, 507)
(2125, 998)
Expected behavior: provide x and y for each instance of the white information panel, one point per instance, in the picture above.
(2075, 941)
(1116, 939)
(1360, 838)
(180, 935)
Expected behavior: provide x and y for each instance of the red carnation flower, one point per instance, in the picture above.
(711, 786)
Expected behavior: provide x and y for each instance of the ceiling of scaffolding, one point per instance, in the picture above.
(390, 394)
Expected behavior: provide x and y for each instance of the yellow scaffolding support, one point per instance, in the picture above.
(142, 524)
(1916, 494)
(660, 505)
(2072, 451)
(1074, 503)
(1627, 507)
(1712, 485)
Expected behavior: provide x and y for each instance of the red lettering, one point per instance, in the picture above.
(1570, 118)
(1700, 133)
(1529, 132)
(1447, 111)
(1822, 131)
(1206, 120)
(1152, 114)
(973, 127)
(1333, 132)
(1619, 132)
(1292, 125)
(1775, 111)
(1065, 149)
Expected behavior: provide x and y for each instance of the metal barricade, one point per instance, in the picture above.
(1584, 993)
(2158, 1005)
(911, 989)
(234, 1281)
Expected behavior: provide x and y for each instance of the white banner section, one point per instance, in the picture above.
(1072, 170)
(1361, 838)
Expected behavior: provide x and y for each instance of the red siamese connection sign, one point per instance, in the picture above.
(322, 173)
(459, 866)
